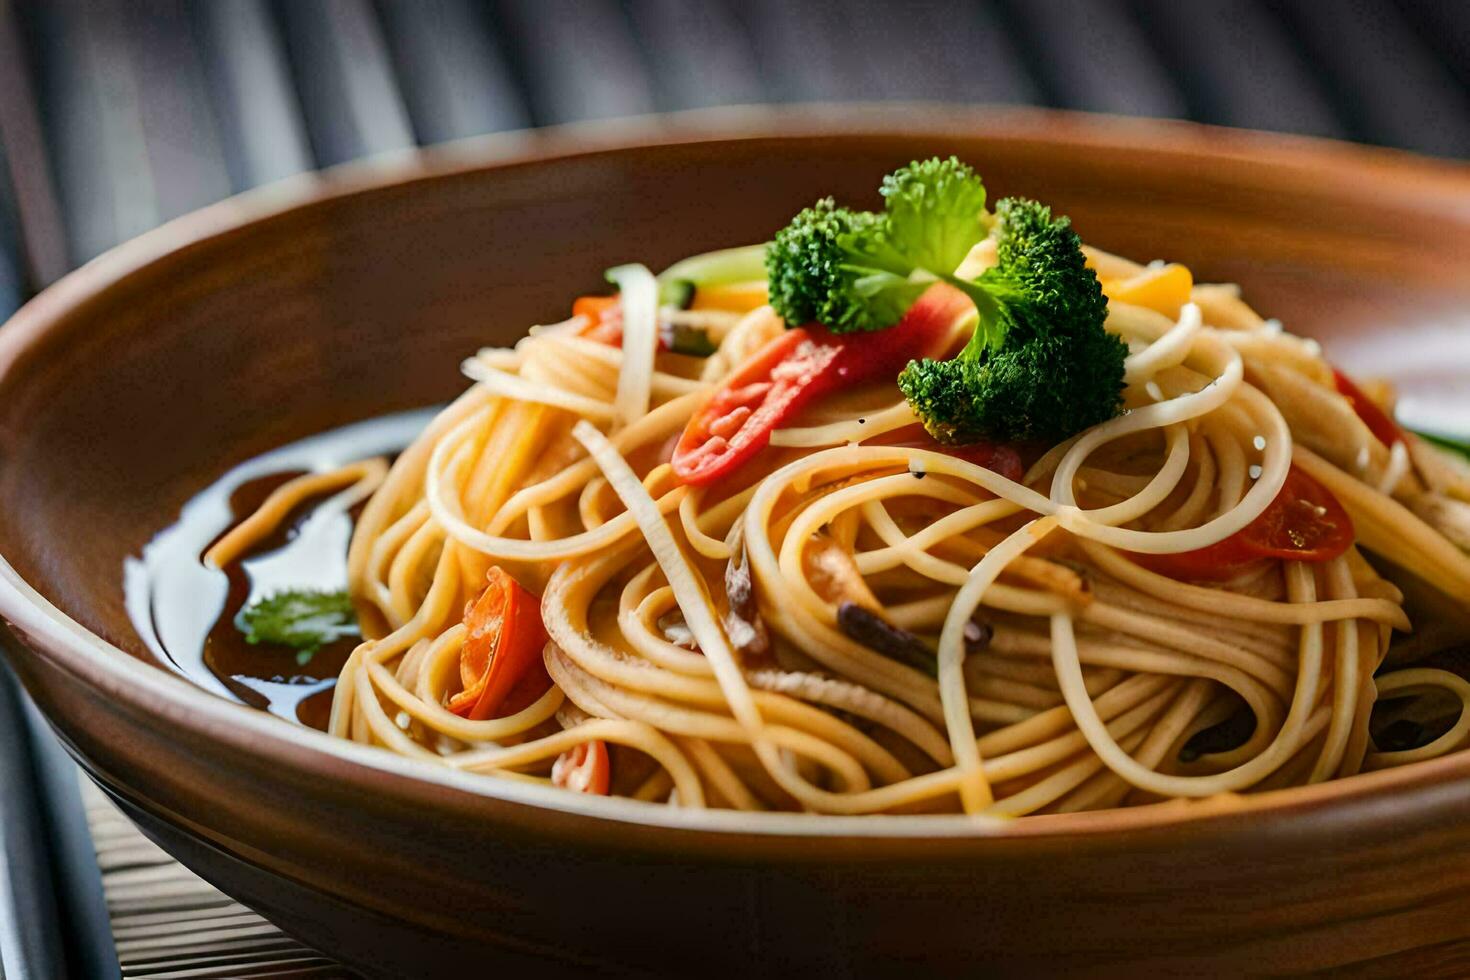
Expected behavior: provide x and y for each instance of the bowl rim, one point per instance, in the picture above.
(1410, 181)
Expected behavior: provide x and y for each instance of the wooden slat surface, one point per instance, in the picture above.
(31, 942)
(169, 924)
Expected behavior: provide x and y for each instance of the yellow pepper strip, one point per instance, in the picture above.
(1165, 289)
(736, 297)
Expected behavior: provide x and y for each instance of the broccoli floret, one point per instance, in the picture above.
(812, 276)
(934, 213)
(856, 270)
(1040, 365)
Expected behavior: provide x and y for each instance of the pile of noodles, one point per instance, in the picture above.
(1066, 676)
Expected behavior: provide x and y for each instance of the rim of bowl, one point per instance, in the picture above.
(1410, 181)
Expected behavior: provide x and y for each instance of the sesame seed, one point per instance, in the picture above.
(1255, 472)
(402, 720)
(1260, 443)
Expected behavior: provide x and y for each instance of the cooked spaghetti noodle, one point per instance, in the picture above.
(858, 622)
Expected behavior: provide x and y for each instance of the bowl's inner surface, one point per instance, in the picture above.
(356, 306)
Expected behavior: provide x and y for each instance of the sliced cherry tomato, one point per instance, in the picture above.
(1384, 429)
(776, 381)
(1304, 523)
(996, 456)
(583, 769)
(502, 649)
(526, 691)
(737, 420)
(926, 330)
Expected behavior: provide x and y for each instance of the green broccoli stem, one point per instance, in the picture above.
(990, 331)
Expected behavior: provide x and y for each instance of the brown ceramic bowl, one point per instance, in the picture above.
(137, 380)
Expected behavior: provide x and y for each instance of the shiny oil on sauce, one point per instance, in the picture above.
(185, 611)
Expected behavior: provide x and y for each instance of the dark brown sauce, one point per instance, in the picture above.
(230, 657)
(186, 611)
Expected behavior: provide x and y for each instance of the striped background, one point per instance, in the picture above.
(116, 115)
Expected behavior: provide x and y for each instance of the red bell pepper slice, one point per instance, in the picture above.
(1384, 429)
(1304, 523)
(779, 379)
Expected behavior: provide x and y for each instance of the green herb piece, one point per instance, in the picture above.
(305, 619)
(691, 340)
